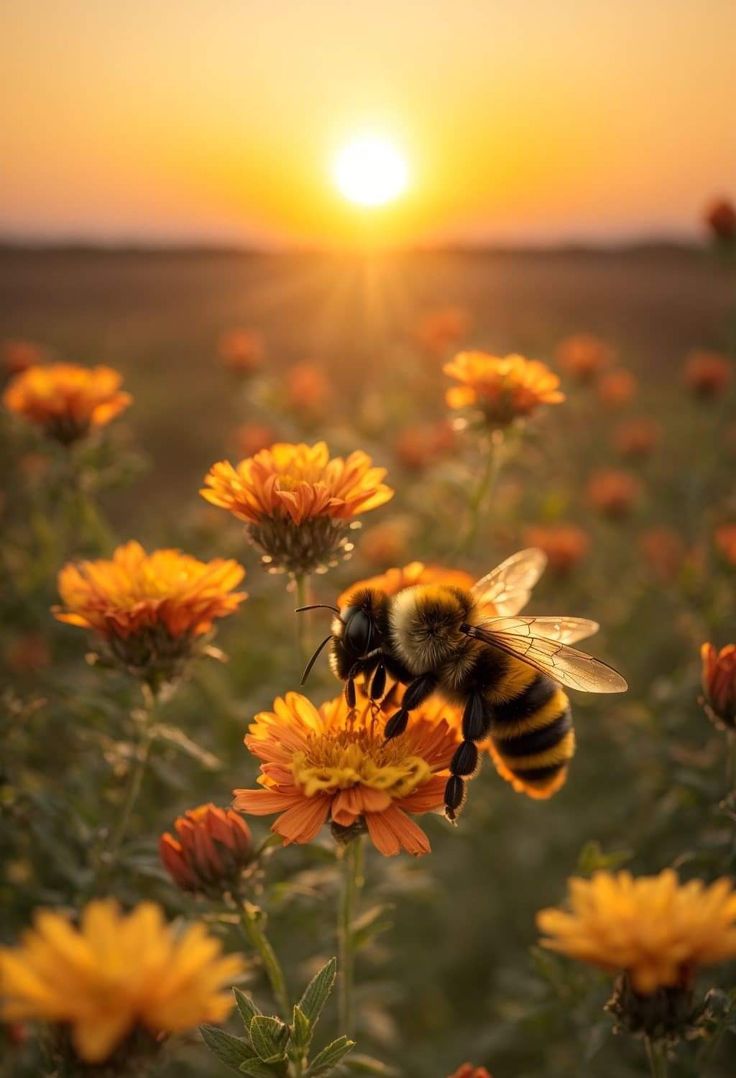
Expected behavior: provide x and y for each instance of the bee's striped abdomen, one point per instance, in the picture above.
(532, 739)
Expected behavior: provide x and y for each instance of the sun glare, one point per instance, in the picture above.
(370, 171)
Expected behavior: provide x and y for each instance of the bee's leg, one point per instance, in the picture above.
(365, 666)
(464, 763)
(416, 693)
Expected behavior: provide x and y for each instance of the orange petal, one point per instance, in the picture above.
(302, 821)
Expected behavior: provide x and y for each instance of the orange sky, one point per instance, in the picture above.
(523, 120)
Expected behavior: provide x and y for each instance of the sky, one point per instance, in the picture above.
(522, 121)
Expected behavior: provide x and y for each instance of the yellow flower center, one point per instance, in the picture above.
(358, 758)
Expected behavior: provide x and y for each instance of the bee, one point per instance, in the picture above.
(506, 671)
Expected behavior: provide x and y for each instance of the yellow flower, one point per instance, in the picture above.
(297, 501)
(655, 929)
(67, 400)
(333, 764)
(114, 974)
(149, 608)
(504, 388)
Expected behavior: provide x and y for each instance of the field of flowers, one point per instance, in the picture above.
(194, 445)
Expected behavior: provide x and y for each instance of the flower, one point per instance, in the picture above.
(251, 438)
(583, 356)
(719, 683)
(655, 929)
(241, 350)
(149, 609)
(637, 438)
(298, 502)
(115, 973)
(17, 356)
(440, 330)
(67, 400)
(419, 446)
(564, 544)
(613, 492)
(333, 764)
(725, 537)
(720, 217)
(308, 389)
(617, 387)
(467, 1070)
(211, 848)
(416, 572)
(503, 388)
(664, 552)
(708, 374)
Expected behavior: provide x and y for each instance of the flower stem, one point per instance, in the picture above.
(251, 920)
(135, 779)
(656, 1057)
(731, 762)
(489, 477)
(301, 583)
(352, 882)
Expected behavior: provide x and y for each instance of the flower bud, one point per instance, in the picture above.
(211, 848)
(719, 684)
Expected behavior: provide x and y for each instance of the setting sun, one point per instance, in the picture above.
(370, 171)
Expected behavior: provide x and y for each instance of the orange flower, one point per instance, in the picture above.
(719, 683)
(726, 542)
(17, 356)
(617, 387)
(419, 446)
(297, 501)
(637, 438)
(664, 552)
(416, 572)
(467, 1070)
(241, 350)
(251, 438)
(333, 764)
(149, 608)
(210, 851)
(442, 329)
(308, 388)
(720, 218)
(564, 544)
(503, 388)
(613, 492)
(708, 374)
(583, 356)
(67, 400)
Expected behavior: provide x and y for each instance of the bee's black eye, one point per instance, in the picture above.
(359, 632)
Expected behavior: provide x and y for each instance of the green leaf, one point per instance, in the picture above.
(330, 1056)
(318, 992)
(269, 1037)
(256, 1068)
(228, 1049)
(301, 1030)
(246, 1007)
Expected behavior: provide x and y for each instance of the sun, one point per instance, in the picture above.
(370, 171)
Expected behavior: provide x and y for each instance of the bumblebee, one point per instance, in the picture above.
(472, 646)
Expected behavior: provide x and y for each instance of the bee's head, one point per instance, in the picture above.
(426, 625)
(361, 623)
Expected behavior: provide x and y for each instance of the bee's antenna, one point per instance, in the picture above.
(313, 660)
(317, 606)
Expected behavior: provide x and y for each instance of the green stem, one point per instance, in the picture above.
(135, 779)
(352, 882)
(301, 582)
(731, 762)
(656, 1057)
(251, 920)
(486, 485)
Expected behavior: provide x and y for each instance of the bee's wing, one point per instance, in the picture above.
(506, 589)
(573, 669)
(564, 630)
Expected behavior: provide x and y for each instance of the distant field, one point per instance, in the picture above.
(157, 316)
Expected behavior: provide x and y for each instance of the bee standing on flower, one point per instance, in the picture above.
(471, 646)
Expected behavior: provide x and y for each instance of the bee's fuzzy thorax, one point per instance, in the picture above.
(425, 625)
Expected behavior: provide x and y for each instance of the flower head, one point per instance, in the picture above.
(416, 572)
(241, 350)
(725, 536)
(613, 492)
(503, 389)
(297, 501)
(708, 374)
(333, 764)
(419, 446)
(583, 356)
(720, 217)
(17, 356)
(308, 389)
(467, 1070)
(564, 544)
(719, 683)
(664, 552)
(251, 438)
(149, 609)
(440, 330)
(211, 848)
(617, 387)
(655, 929)
(67, 400)
(115, 973)
(637, 438)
